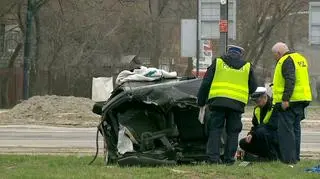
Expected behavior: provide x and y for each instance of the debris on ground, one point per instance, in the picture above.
(315, 169)
(51, 109)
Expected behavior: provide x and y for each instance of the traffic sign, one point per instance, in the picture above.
(223, 25)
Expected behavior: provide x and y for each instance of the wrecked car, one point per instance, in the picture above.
(153, 123)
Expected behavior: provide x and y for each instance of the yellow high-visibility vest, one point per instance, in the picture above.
(302, 90)
(257, 112)
(230, 83)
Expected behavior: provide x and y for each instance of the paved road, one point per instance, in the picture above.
(81, 141)
(45, 139)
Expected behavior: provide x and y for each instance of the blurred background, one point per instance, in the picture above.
(68, 42)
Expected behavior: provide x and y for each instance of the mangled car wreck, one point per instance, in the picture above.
(153, 123)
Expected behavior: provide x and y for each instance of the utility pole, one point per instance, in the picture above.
(223, 27)
(27, 48)
(223, 24)
(198, 43)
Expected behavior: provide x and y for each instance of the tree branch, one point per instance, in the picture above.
(15, 55)
(9, 9)
(40, 3)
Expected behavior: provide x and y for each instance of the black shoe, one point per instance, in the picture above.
(289, 162)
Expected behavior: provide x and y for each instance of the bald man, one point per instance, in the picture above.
(291, 95)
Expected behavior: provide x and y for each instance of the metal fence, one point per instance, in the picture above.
(11, 81)
(11, 76)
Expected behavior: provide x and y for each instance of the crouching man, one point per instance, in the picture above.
(261, 142)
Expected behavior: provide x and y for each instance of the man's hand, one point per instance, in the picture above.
(285, 105)
(248, 138)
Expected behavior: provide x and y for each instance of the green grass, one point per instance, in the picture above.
(18, 166)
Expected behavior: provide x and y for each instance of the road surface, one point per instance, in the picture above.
(82, 141)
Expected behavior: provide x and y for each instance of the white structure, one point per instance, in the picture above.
(314, 22)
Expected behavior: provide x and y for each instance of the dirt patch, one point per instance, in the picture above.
(52, 110)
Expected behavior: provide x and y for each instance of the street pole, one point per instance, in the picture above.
(198, 51)
(223, 26)
(27, 48)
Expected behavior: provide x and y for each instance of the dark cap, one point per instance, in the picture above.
(235, 49)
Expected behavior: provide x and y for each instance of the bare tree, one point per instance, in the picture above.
(259, 20)
(73, 39)
(76, 40)
(7, 58)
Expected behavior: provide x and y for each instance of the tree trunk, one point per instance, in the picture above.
(34, 73)
(57, 46)
(5, 89)
(155, 15)
(3, 94)
(2, 35)
(290, 25)
(156, 47)
(49, 90)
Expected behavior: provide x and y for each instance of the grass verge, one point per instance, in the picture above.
(22, 166)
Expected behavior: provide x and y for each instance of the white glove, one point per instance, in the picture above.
(202, 112)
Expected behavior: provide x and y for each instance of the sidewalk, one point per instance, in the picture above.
(3, 110)
(305, 124)
(247, 119)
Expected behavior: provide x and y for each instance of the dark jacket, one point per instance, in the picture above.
(272, 125)
(233, 61)
(289, 74)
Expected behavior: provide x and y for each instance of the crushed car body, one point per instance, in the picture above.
(153, 123)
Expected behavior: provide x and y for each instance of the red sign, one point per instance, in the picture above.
(223, 25)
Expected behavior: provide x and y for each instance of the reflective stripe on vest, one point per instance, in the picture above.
(230, 83)
(257, 112)
(302, 90)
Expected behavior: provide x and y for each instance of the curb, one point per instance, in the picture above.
(247, 119)
(314, 155)
(46, 127)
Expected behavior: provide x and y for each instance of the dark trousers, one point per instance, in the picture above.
(289, 133)
(263, 143)
(215, 128)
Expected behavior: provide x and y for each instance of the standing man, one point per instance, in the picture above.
(225, 88)
(262, 138)
(291, 95)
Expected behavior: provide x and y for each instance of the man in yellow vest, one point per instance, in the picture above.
(291, 95)
(262, 140)
(225, 88)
